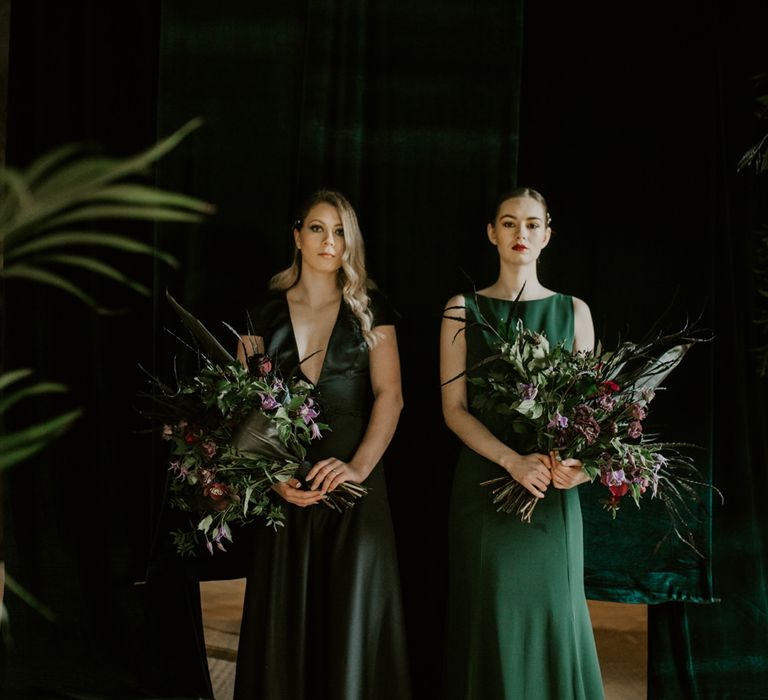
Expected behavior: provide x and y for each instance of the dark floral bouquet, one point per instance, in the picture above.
(589, 405)
(234, 431)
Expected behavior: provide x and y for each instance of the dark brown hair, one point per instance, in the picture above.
(514, 194)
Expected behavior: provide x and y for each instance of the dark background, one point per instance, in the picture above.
(630, 124)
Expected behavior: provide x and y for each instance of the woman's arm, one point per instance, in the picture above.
(385, 413)
(583, 330)
(532, 471)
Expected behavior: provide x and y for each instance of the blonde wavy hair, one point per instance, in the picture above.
(353, 279)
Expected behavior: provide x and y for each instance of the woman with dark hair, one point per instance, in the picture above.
(322, 616)
(518, 626)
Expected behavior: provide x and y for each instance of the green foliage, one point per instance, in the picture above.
(45, 214)
(25, 442)
(232, 434)
(585, 405)
(48, 208)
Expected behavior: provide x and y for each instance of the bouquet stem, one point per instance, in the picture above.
(512, 497)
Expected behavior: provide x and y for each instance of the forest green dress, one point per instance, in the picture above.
(518, 626)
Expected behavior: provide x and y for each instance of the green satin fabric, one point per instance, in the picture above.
(518, 624)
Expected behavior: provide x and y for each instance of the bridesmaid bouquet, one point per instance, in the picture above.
(589, 405)
(235, 431)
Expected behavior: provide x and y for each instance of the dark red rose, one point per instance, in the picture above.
(620, 490)
(608, 387)
(259, 364)
(189, 438)
(216, 491)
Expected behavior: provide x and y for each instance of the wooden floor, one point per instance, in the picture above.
(620, 634)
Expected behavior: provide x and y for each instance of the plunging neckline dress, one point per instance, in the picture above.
(323, 617)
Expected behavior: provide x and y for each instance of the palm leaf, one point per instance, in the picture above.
(52, 186)
(48, 161)
(96, 266)
(36, 389)
(18, 446)
(89, 238)
(13, 376)
(96, 172)
(23, 228)
(21, 592)
(44, 430)
(44, 277)
(151, 196)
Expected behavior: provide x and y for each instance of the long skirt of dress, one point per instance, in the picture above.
(518, 626)
(322, 617)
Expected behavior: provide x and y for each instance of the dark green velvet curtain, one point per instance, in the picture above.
(408, 108)
(419, 112)
(633, 124)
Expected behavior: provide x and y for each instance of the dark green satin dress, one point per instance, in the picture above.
(323, 617)
(518, 626)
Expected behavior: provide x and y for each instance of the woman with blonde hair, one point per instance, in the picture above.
(322, 615)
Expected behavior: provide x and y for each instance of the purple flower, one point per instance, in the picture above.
(315, 432)
(307, 412)
(635, 429)
(558, 422)
(268, 402)
(208, 448)
(612, 477)
(176, 466)
(528, 392)
(219, 533)
(637, 411)
(277, 385)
